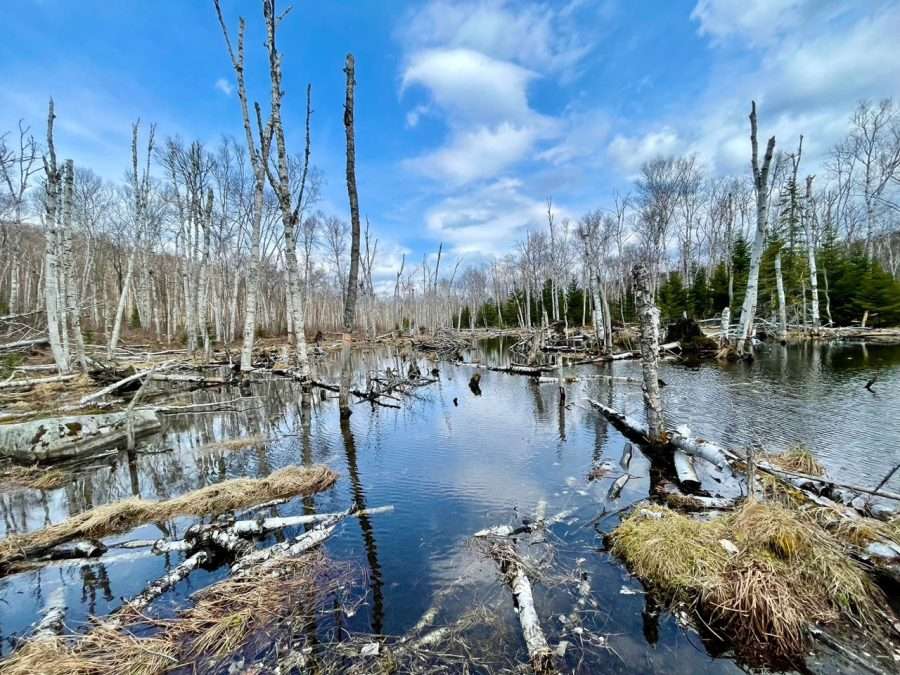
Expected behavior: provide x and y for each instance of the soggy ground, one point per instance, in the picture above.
(452, 463)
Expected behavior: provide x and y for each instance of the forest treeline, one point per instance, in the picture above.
(196, 234)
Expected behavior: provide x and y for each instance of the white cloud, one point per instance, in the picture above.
(479, 152)
(484, 221)
(629, 152)
(224, 86)
(760, 22)
(414, 115)
(540, 36)
(471, 86)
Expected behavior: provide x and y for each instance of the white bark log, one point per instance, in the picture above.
(66, 437)
(163, 584)
(263, 525)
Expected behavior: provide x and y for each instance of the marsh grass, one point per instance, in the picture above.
(225, 618)
(122, 516)
(798, 459)
(788, 573)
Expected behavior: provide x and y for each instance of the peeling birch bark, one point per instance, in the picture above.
(539, 653)
(649, 318)
(161, 585)
(761, 184)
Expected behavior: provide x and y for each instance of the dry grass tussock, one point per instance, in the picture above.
(212, 500)
(798, 459)
(789, 573)
(225, 619)
(36, 477)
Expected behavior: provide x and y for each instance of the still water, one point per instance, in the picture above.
(451, 463)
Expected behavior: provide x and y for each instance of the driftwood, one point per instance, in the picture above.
(163, 584)
(24, 344)
(66, 437)
(17, 384)
(539, 654)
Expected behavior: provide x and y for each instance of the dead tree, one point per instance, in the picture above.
(761, 184)
(353, 279)
(259, 159)
(281, 184)
(648, 313)
(52, 299)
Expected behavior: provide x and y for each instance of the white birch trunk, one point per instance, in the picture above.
(782, 309)
(648, 314)
(761, 183)
(120, 307)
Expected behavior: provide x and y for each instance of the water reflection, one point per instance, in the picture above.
(453, 463)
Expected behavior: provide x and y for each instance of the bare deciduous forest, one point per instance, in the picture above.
(236, 435)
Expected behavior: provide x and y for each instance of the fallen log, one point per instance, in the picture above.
(34, 381)
(264, 525)
(684, 469)
(24, 344)
(51, 624)
(539, 654)
(160, 586)
(60, 438)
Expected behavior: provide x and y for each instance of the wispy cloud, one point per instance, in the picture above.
(224, 86)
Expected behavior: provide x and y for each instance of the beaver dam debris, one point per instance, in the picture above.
(120, 517)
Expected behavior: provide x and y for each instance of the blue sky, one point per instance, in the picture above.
(471, 113)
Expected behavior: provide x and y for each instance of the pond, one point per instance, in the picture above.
(451, 463)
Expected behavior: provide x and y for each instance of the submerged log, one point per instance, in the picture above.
(163, 584)
(539, 654)
(684, 469)
(66, 437)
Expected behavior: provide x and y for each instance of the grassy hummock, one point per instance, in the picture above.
(122, 516)
(788, 573)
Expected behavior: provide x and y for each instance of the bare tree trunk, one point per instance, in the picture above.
(761, 183)
(782, 309)
(811, 252)
(648, 315)
(353, 279)
(51, 274)
(259, 158)
(72, 297)
(725, 327)
(120, 308)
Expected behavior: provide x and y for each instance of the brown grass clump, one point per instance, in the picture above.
(227, 616)
(798, 460)
(212, 500)
(789, 573)
(36, 477)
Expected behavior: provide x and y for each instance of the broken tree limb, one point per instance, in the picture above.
(121, 383)
(263, 525)
(16, 384)
(51, 624)
(681, 438)
(163, 584)
(539, 654)
(629, 426)
(684, 469)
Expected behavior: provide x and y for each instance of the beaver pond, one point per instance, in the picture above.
(451, 461)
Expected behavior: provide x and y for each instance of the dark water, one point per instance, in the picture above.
(451, 463)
